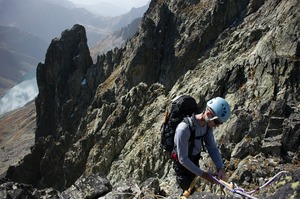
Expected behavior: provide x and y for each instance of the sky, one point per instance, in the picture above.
(127, 4)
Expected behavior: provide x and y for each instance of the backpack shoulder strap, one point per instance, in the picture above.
(192, 136)
(202, 139)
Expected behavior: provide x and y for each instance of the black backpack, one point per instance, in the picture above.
(181, 107)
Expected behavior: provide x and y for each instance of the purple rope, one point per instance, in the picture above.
(267, 183)
(242, 192)
(235, 191)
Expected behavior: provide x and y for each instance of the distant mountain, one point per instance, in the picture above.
(105, 9)
(118, 39)
(124, 23)
(48, 18)
(120, 36)
(21, 41)
(125, 19)
(20, 52)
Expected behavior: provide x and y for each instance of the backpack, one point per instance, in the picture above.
(181, 107)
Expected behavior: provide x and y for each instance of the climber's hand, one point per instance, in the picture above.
(209, 178)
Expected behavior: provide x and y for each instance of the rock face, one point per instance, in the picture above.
(63, 90)
(63, 93)
(104, 118)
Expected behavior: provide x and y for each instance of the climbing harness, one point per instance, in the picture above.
(237, 190)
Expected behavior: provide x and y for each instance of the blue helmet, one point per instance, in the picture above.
(220, 107)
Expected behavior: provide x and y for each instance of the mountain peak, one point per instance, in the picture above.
(103, 119)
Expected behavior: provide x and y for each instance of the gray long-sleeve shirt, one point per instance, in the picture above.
(181, 141)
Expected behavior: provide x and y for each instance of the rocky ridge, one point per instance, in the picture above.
(101, 121)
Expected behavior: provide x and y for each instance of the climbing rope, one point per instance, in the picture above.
(237, 190)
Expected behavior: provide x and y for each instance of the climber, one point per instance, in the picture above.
(187, 150)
